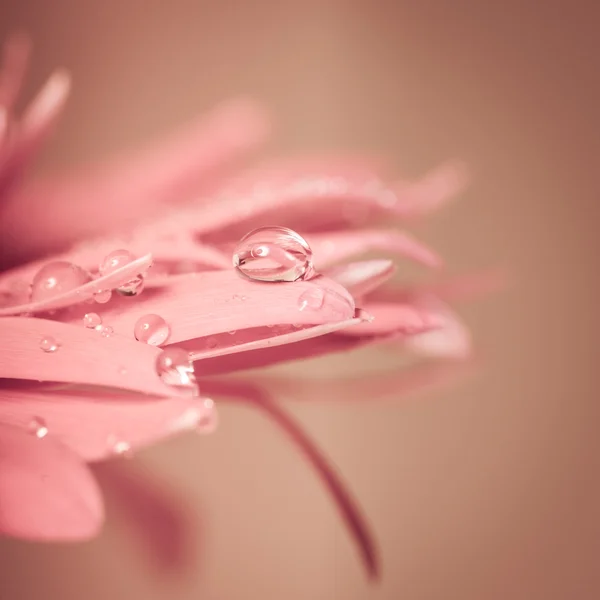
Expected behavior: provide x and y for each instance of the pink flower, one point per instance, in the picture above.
(77, 386)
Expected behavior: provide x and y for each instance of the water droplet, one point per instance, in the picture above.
(57, 278)
(133, 287)
(151, 329)
(212, 342)
(115, 260)
(273, 254)
(232, 332)
(119, 447)
(92, 320)
(311, 299)
(174, 367)
(209, 417)
(103, 296)
(38, 427)
(105, 330)
(49, 344)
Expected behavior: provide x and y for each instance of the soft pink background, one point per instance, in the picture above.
(487, 491)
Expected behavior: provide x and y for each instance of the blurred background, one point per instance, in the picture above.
(486, 490)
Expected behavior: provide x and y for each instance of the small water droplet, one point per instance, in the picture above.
(174, 367)
(102, 296)
(38, 427)
(49, 344)
(212, 342)
(151, 329)
(311, 299)
(119, 447)
(57, 278)
(92, 320)
(106, 330)
(209, 417)
(273, 254)
(133, 287)
(232, 332)
(115, 260)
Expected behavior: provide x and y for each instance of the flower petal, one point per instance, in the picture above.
(84, 356)
(351, 513)
(15, 60)
(335, 246)
(46, 492)
(360, 278)
(205, 304)
(84, 292)
(95, 424)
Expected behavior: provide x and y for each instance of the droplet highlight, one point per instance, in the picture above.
(92, 320)
(152, 330)
(273, 254)
(57, 278)
(38, 427)
(49, 344)
(103, 296)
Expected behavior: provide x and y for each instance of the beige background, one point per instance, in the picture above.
(487, 491)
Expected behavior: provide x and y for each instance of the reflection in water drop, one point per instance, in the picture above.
(151, 329)
(174, 367)
(103, 296)
(133, 287)
(91, 320)
(57, 278)
(273, 254)
(311, 299)
(48, 344)
(115, 260)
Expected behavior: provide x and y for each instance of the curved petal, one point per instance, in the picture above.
(360, 278)
(84, 356)
(205, 304)
(114, 195)
(335, 246)
(351, 513)
(15, 60)
(96, 425)
(84, 292)
(46, 492)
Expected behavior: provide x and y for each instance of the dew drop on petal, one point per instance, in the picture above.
(57, 278)
(273, 254)
(38, 427)
(311, 299)
(174, 367)
(103, 296)
(151, 329)
(92, 320)
(115, 260)
(48, 344)
(209, 417)
(106, 330)
(212, 342)
(119, 447)
(133, 287)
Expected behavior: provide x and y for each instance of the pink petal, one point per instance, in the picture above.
(15, 60)
(360, 278)
(84, 356)
(112, 196)
(451, 339)
(46, 492)
(157, 516)
(350, 512)
(332, 247)
(388, 318)
(317, 200)
(96, 424)
(86, 291)
(205, 304)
